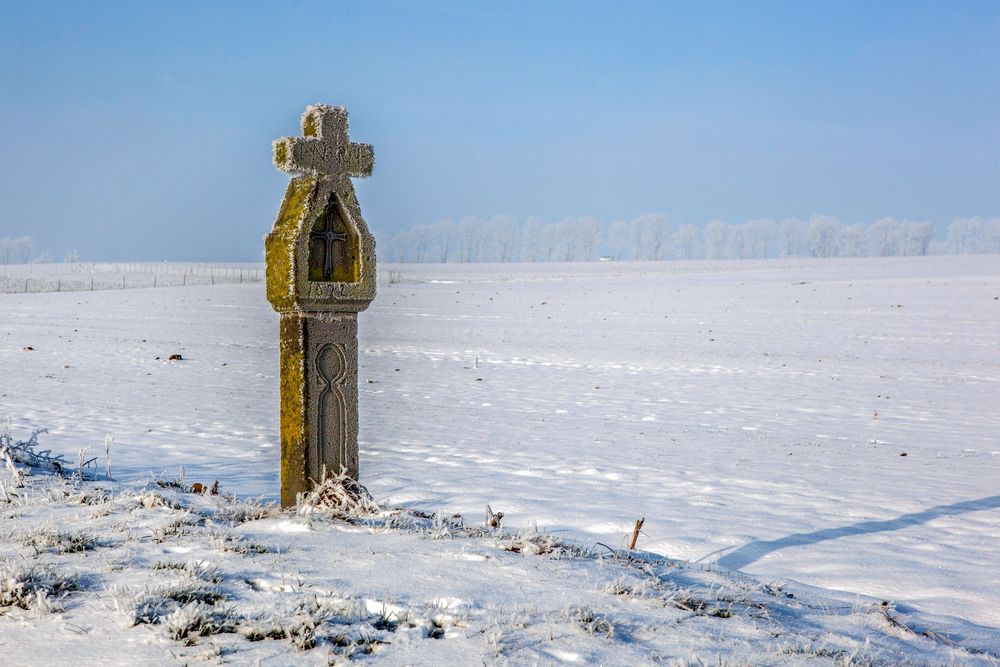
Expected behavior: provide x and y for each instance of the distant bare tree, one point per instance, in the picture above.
(568, 242)
(741, 246)
(587, 231)
(487, 243)
(636, 239)
(757, 235)
(441, 234)
(470, 232)
(657, 234)
(71, 257)
(883, 237)
(718, 240)
(824, 235)
(991, 234)
(22, 248)
(964, 234)
(399, 245)
(550, 241)
(504, 232)
(686, 240)
(852, 241)
(916, 237)
(618, 239)
(531, 239)
(794, 234)
(649, 234)
(420, 239)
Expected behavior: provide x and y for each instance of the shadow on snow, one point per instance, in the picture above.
(754, 551)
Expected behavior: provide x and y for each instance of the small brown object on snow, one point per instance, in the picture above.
(635, 533)
(197, 487)
(175, 357)
(28, 348)
(493, 520)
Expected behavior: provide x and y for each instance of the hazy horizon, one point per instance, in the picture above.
(143, 131)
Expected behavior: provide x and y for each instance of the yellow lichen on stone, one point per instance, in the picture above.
(309, 125)
(293, 421)
(280, 153)
(279, 245)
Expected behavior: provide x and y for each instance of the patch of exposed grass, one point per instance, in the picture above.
(150, 607)
(63, 541)
(241, 512)
(198, 619)
(299, 628)
(195, 569)
(592, 622)
(34, 587)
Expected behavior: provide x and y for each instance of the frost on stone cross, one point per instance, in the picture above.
(320, 269)
(324, 148)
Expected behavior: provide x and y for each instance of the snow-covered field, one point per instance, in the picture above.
(830, 425)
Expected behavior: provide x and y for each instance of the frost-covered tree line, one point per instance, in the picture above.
(21, 250)
(653, 236)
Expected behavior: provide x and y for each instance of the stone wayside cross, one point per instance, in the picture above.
(320, 270)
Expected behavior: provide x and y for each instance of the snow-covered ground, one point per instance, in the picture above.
(90, 276)
(755, 413)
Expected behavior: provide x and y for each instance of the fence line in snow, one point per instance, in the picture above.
(25, 279)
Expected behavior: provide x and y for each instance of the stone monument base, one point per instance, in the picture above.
(319, 399)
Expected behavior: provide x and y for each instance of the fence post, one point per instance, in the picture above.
(91, 283)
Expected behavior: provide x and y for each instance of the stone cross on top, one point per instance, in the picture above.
(320, 270)
(324, 149)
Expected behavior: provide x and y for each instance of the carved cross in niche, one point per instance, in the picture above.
(327, 236)
(334, 249)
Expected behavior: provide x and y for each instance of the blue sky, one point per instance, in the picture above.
(134, 130)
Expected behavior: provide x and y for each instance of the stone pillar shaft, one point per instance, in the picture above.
(319, 399)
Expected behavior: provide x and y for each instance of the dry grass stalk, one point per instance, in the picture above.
(340, 494)
(493, 520)
(635, 533)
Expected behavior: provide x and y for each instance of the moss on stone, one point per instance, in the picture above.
(279, 245)
(309, 125)
(280, 153)
(293, 414)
